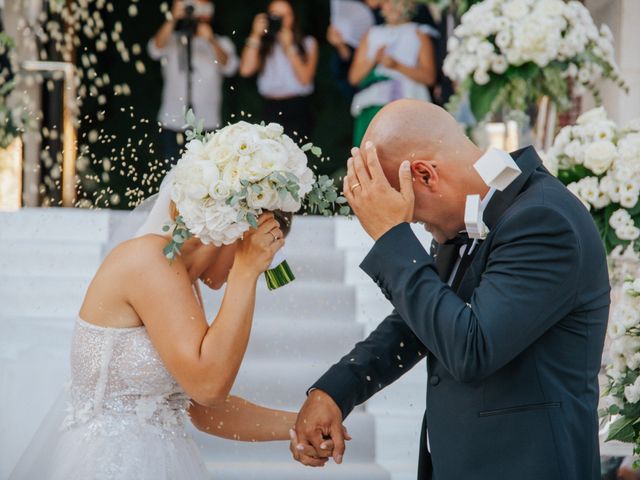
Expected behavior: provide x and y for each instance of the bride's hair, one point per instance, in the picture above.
(283, 218)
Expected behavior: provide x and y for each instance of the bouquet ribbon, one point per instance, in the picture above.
(279, 273)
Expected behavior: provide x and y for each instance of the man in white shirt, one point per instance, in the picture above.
(212, 57)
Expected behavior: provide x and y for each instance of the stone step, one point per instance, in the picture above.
(271, 339)
(63, 224)
(361, 427)
(251, 470)
(55, 224)
(44, 258)
(54, 258)
(62, 296)
(279, 383)
(286, 340)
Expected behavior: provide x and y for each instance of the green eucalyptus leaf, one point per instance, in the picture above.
(253, 221)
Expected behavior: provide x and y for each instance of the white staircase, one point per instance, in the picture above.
(47, 258)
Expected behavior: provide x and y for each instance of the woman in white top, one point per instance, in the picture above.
(213, 56)
(285, 62)
(394, 60)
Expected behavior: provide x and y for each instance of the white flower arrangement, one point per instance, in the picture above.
(226, 179)
(622, 394)
(509, 53)
(600, 163)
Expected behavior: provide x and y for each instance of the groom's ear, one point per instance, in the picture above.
(425, 173)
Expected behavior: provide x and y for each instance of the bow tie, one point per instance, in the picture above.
(459, 240)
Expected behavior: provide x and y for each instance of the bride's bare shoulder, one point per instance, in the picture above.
(142, 251)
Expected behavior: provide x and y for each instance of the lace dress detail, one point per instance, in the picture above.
(126, 414)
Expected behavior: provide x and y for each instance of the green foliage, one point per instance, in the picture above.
(179, 234)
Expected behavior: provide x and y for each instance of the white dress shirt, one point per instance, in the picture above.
(206, 83)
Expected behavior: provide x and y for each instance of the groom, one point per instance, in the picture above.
(512, 325)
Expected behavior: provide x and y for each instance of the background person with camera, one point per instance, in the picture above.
(194, 61)
(285, 61)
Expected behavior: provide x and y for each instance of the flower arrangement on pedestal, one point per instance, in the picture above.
(622, 393)
(507, 54)
(600, 163)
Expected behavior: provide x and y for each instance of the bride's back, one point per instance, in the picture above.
(106, 301)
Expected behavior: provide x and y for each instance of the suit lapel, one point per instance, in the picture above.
(528, 161)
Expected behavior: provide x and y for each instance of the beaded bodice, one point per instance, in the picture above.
(118, 380)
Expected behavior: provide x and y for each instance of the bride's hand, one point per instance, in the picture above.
(256, 250)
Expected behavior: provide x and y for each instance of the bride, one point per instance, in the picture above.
(144, 360)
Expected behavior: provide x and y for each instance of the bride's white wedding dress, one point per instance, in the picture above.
(126, 415)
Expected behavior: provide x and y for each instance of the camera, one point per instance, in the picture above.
(195, 12)
(198, 10)
(274, 25)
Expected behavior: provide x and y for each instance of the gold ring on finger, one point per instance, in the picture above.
(353, 187)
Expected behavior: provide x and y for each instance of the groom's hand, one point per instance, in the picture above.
(319, 421)
(378, 206)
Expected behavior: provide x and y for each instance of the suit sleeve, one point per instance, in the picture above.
(529, 284)
(385, 355)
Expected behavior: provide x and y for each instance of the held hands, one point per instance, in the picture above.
(319, 433)
(256, 250)
(378, 206)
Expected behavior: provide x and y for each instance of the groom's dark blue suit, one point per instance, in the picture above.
(513, 354)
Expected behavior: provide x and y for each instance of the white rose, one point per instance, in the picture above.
(574, 188)
(289, 204)
(307, 179)
(219, 190)
(550, 8)
(263, 197)
(633, 362)
(616, 330)
(598, 114)
(481, 77)
(246, 143)
(271, 155)
(499, 64)
(632, 392)
(515, 9)
(221, 154)
(599, 156)
(575, 151)
(620, 218)
(231, 176)
(628, 232)
(627, 315)
(274, 130)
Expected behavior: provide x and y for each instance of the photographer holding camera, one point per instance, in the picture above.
(285, 61)
(194, 61)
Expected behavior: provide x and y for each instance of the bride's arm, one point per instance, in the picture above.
(203, 359)
(238, 419)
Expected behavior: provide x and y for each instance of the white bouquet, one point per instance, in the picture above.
(226, 179)
(622, 394)
(600, 163)
(509, 53)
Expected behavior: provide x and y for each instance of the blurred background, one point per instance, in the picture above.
(92, 98)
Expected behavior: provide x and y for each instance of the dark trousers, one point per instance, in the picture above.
(294, 114)
(171, 145)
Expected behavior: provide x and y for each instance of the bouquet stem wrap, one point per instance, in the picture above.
(279, 274)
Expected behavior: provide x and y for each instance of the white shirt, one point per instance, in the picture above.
(206, 81)
(278, 80)
(463, 248)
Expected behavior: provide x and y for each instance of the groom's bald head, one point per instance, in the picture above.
(412, 129)
(441, 157)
